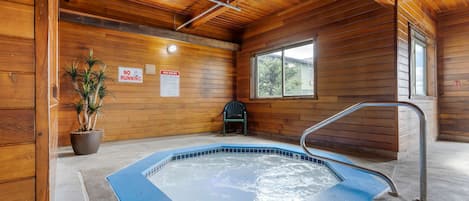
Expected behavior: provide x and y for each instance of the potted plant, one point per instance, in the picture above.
(88, 82)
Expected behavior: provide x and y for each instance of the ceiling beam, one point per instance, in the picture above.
(107, 23)
(211, 15)
(386, 3)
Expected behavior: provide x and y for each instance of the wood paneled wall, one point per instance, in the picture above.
(453, 74)
(417, 13)
(17, 114)
(137, 110)
(26, 143)
(355, 62)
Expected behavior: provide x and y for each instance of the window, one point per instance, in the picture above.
(285, 72)
(418, 64)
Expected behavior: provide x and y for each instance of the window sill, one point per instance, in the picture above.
(284, 98)
(422, 98)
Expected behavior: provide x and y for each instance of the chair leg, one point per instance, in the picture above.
(245, 123)
(224, 128)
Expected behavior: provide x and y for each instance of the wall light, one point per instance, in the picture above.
(172, 48)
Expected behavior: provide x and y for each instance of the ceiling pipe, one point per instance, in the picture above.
(218, 4)
(227, 4)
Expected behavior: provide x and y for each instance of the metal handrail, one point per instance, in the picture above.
(388, 180)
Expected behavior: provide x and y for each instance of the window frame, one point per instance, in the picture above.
(254, 76)
(417, 37)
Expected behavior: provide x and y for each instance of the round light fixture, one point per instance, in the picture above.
(172, 48)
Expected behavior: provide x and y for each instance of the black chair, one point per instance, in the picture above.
(235, 111)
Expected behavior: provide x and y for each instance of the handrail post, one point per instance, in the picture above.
(388, 180)
(423, 157)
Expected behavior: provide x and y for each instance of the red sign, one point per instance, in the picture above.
(169, 72)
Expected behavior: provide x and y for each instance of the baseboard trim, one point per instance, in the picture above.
(333, 147)
(453, 138)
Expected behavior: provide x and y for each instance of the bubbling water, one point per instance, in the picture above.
(243, 177)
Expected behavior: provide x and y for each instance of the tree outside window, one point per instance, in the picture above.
(286, 72)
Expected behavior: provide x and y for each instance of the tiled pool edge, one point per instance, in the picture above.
(236, 150)
(131, 183)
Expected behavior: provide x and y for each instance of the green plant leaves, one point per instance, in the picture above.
(89, 83)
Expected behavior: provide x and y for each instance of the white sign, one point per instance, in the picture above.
(169, 83)
(130, 75)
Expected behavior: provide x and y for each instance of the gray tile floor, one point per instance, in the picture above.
(448, 167)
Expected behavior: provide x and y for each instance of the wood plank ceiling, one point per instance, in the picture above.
(445, 5)
(222, 23)
(251, 10)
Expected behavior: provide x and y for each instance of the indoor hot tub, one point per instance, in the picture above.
(245, 172)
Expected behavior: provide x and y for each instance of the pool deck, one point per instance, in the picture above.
(82, 178)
